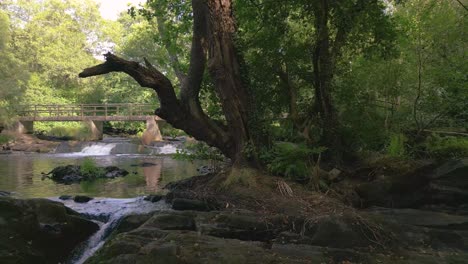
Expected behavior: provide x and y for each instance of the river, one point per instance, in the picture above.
(20, 173)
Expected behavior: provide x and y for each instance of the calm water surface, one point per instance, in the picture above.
(21, 173)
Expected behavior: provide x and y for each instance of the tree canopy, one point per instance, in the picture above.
(345, 76)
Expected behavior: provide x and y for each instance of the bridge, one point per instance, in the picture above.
(92, 114)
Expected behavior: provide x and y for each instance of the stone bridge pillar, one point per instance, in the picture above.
(96, 128)
(152, 132)
(23, 127)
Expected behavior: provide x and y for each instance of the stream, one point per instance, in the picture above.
(150, 169)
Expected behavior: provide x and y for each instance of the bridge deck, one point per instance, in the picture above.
(94, 112)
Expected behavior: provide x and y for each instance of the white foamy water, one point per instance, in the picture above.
(112, 210)
(99, 149)
(168, 149)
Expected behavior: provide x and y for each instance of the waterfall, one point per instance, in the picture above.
(98, 149)
(106, 212)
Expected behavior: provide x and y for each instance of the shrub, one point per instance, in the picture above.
(89, 169)
(291, 160)
(396, 147)
(69, 130)
(5, 138)
(446, 147)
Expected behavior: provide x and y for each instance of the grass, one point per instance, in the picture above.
(90, 169)
(5, 138)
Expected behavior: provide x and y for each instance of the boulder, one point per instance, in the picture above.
(113, 172)
(446, 184)
(65, 197)
(72, 174)
(154, 198)
(82, 199)
(39, 231)
(182, 204)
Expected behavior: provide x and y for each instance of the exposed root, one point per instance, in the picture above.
(284, 188)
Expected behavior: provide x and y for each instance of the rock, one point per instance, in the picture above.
(337, 232)
(171, 221)
(334, 174)
(188, 204)
(65, 197)
(449, 183)
(446, 184)
(238, 225)
(39, 231)
(154, 198)
(146, 245)
(66, 174)
(205, 170)
(72, 174)
(131, 222)
(144, 164)
(113, 172)
(455, 170)
(423, 218)
(82, 199)
(4, 193)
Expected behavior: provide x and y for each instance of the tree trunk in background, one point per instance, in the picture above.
(324, 63)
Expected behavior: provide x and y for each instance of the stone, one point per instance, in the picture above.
(4, 193)
(423, 218)
(334, 174)
(154, 198)
(39, 231)
(171, 221)
(182, 204)
(113, 172)
(65, 197)
(130, 222)
(82, 199)
(236, 225)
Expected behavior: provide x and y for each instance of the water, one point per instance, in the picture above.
(21, 173)
(97, 149)
(112, 210)
(150, 169)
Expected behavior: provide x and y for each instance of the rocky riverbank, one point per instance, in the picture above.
(260, 225)
(267, 220)
(30, 143)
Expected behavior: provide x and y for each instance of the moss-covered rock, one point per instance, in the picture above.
(39, 231)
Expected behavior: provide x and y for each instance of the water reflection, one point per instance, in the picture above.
(21, 173)
(152, 177)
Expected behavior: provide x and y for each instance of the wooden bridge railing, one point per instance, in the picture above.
(103, 112)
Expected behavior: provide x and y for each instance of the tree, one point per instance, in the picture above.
(11, 75)
(212, 48)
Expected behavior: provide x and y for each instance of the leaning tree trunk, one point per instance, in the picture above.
(213, 48)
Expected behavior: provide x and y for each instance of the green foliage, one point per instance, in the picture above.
(446, 147)
(294, 161)
(72, 130)
(168, 130)
(89, 169)
(5, 138)
(397, 145)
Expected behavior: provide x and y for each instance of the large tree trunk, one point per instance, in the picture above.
(213, 46)
(324, 62)
(224, 68)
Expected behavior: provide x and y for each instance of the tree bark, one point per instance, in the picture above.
(324, 63)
